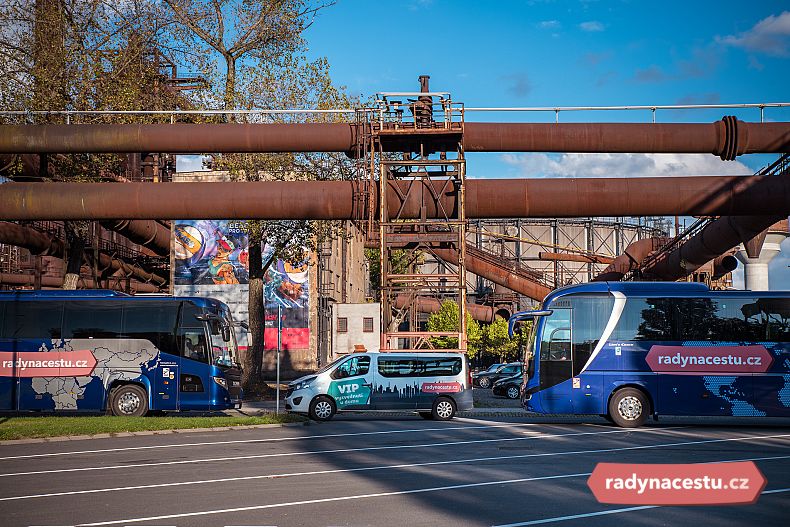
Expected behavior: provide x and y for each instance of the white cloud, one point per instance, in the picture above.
(190, 163)
(591, 26)
(770, 35)
(550, 24)
(622, 165)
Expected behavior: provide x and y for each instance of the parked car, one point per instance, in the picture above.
(487, 379)
(493, 367)
(509, 387)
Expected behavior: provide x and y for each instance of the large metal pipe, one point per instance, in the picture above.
(713, 240)
(726, 138)
(337, 200)
(148, 233)
(42, 244)
(500, 272)
(726, 263)
(424, 304)
(83, 283)
(631, 259)
(34, 241)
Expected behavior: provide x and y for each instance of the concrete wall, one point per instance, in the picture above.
(343, 343)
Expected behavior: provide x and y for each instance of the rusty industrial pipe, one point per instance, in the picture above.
(338, 200)
(148, 233)
(34, 241)
(424, 304)
(726, 263)
(631, 259)
(715, 239)
(726, 138)
(42, 244)
(57, 282)
(500, 272)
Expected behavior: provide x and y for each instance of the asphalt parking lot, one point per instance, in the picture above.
(368, 470)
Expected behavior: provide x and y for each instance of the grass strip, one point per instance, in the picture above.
(60, 425)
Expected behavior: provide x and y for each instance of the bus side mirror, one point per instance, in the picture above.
(226, 333)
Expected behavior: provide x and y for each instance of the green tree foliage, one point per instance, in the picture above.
(497, 342)
(256, 60)
(447, 319)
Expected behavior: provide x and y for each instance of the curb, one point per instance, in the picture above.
(56, 439)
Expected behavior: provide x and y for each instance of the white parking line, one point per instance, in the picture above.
(609, 511)
(333, 451)
(352, 497)
(278, 439)
(388, 467)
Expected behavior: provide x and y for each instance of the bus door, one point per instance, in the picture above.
(556, 366)
(8, 357)
(352, 384)
(194, 377)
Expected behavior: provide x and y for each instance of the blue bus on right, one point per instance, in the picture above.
(629, 350)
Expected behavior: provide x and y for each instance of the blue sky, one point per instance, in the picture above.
(572, 53)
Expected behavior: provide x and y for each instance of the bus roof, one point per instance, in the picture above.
(668, 289)
(87, 294)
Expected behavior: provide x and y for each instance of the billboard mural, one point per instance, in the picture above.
(211, 259)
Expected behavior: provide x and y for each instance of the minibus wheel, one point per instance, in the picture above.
(322, 408)
(629, 408)
(443, 409)
(129, 400)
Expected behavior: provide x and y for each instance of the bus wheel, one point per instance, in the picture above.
(129, 400)
(322, 408)
(426, 415)
(629, 408)
(443, 409)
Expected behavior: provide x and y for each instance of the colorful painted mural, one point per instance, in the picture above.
(212, 259)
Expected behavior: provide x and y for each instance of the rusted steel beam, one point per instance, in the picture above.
(425, 304)
(574, 257)
(726, 138)
(329, 200)
(715, 239)
(631, 259)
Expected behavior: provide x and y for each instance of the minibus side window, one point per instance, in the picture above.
(352, 367)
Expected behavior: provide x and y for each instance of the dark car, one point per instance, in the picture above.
(488, 378)
(509, 387)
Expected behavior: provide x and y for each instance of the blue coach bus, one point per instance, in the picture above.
(627, 350)
(107, 351)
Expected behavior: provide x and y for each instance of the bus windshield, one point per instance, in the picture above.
(224, 352)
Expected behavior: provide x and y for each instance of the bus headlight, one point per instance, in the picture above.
(221, 381)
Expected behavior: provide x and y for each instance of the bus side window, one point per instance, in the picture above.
(92, 320)
(153, 321)
(192, 343)
(33, 320)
